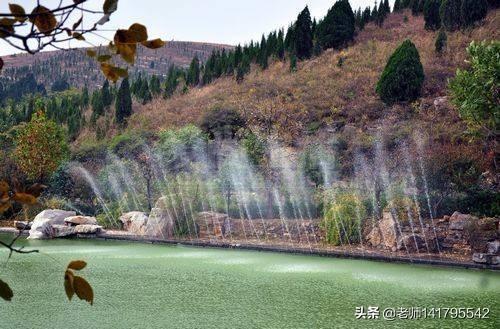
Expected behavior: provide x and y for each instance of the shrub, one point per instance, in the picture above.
(431, 14)
(222, 123)
(473, 11)
(127, 145)
(474, 91)
(255, 148)
(441, 41)
(403, 75)
(404, 208)
(342, 221)
(40, 147)
(450, 12)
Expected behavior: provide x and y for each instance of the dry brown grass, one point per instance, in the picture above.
(285, 103)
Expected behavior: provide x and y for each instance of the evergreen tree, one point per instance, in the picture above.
(293, 63)
(290, 39)
(337, 28)
(85, 96)
(303, 35)
(262, 61)
(417, 7)
(431, 14)
(450, 12)
(155, 85)
(280, 48)
(473, 11)
(441, 41)
(123, 104)
(387, 7)
(97, 105)
(171, 82)
(397, 5)
(106, 96)
(193, 75)
(403, 75)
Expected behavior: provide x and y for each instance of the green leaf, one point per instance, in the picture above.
(83, 289)
(77, 265)
(110, 6)
(5, 291)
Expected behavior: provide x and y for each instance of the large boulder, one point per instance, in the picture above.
(160, 224)
(87, 229)
(212, 224)
(41, 228)
(460, 222)
(416, 243)
(385, 233)
(80, 220)
(134, 222)
(61, 231)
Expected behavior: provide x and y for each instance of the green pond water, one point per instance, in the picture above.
(158, 286)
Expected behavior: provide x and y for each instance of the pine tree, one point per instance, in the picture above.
(441, 41)
(387, 7)
(155, 85)
(172, 82)
(97, 106)
(193, 75)
(473, 11)
(431, 14)
(106, 96)
(85, 96)
(303, 35)
(293, 63)
(280, 48)
(262, 61)
(450, 12)
(403, 75)
(123, 104)
(337, 28)
(290, 39)
(397, 5)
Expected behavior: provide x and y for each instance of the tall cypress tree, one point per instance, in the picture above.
(473, 11)
(155, 85)
(107, 98)
(123, 103)
(450, 12)
(431, 14)
(397, 5)
(193, 75)
(338, 27)
(303, 35)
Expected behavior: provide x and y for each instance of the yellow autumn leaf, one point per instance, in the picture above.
(153, 44)
(140, 32)
(83, 289)
(77, 265)
(91, 53)
(24, 198)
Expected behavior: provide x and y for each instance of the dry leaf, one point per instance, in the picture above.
(153, 44)
(68, 284)
(43, 19)
(140, 32)
(77, 265)
(18, 12)
(83, 289)
(5, 291)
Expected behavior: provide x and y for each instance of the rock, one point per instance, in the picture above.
(460, 221)
(385, 233)
(414, 243)
(482, 258)
(135, 222)
(487, 224)
(41, 227)
(87, 229)
(214, 225)
(160, 224)
(81, 220)
(61, 231)
(493, 247)
(22, 225)
(440, 102)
